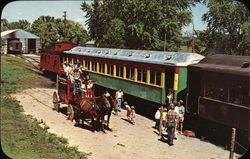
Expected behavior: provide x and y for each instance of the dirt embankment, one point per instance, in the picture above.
(126, 141)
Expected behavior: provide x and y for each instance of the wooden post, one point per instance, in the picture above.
(232, 143)
(160, 124)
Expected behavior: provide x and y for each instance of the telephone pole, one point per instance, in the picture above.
(64, 29)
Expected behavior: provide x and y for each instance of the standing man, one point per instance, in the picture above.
(119, 98)
(172, 116)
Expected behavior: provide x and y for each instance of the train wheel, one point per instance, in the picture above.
(70, 112)
(56, 102)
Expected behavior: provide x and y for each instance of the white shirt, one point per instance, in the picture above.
(176, 109)
(157, 114)
(90, 85)
(119, 94)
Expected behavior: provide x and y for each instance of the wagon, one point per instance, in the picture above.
(64, 95)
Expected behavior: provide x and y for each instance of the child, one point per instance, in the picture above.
(128, 110)
(132, 114)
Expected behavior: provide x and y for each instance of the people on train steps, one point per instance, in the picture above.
(181, 116)
(119, 98)
(169, 97)
(171, 118)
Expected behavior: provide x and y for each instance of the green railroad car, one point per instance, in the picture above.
(144, 74)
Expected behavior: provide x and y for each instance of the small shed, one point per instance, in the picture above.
(19, 41)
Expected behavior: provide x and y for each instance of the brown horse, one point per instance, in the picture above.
(113, 104)
(88, 109)
(104, 106)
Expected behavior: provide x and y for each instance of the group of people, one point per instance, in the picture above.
(172, 119)
(79, 78)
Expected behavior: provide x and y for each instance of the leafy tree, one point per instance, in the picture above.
(51, 29)
(20, 24)
(228, 27)
(147, 23)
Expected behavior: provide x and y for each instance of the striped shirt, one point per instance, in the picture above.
(171, 116)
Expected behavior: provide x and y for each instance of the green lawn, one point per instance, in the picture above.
(21, 137)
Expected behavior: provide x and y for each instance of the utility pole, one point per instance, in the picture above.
(193, 38)
(64, 29)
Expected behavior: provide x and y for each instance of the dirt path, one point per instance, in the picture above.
(126, 141)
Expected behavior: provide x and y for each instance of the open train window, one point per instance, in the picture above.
(102, 68)
(216, 90)
(155, 78)
(130, 73)
(87, 65)
(119, 71)
(94, 66)
(239, 95)
(142, 75)
(110, 69)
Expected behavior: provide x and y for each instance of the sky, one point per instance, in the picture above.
(31, 10)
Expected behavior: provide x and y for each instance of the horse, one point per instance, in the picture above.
(113, 104)
(104, 106)
(87, 109)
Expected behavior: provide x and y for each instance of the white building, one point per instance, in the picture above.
(19, 41)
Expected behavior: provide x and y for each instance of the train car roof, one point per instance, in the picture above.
(144, 56)
(225, 63)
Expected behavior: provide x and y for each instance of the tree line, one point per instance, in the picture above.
(157, 25)
(50, 29)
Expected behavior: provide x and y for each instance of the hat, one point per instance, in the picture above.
(165, 109)
(132, 107)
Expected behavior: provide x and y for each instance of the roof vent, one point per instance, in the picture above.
(106, 52)
(115, 53)
(79, 50)
(130, 54)
(98, 52)
(245, 65)
(88, 51)
(168, 57)
(147, 55)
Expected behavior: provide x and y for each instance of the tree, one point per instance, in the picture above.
(20, 24)
(51, 29)
(228, 27)
(146, 22)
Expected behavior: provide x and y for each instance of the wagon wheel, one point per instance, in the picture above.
(70, 112)
(56, 102)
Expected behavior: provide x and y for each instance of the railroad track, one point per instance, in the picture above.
(33, 59)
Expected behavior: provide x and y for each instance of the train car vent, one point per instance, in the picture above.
(130, 54)
(168, 57)
(98, 52)
(88, 51)
(147, 55)
(245, 65)
(106, 52)
(115, 53)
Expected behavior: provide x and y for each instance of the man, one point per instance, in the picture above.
(119, 98)
(157, 117)
(172, 116)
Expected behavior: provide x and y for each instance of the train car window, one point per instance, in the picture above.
(94, 66)
(217, 91)
(119, 71)
(130, 73)
(87, 65)
(101, 67)
(152, 77)
(158, 78)
(238, 95)
(142, 75)
(110, 69)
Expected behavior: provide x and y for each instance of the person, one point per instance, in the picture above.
(132, 115)
(119, 98)
(169, 96)
(83, 88)
(128, 108)
(157, 117)
(163, 117)
(106, 93)
(89, 88)
(176, 109)
(171, 118)
(181, 116)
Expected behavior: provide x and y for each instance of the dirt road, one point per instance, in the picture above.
(126, 141)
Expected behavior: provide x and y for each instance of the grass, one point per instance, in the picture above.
(21, 136)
